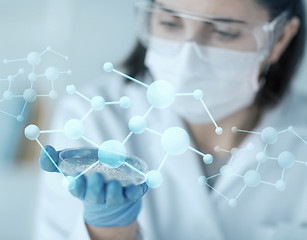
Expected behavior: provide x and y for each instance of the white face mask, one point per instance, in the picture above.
(228, 78)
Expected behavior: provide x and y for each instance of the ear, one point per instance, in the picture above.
(290, 30)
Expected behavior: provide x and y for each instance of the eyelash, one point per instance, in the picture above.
(227, 34)
(170, 24)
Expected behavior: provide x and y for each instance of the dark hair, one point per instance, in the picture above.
(280, 74)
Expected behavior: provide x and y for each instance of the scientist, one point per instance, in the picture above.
(243, 55)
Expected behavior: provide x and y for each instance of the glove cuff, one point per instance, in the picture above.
(98, 215)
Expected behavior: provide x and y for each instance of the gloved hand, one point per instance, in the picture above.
(106, 204)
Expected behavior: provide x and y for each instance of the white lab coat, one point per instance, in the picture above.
(181, 208)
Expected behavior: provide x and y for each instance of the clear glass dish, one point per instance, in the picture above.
(76, 160)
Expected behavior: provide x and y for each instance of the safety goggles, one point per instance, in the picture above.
(174, 27)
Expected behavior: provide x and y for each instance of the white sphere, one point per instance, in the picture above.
(8, 95)
(202, 180)
(137, 124)
(286, 159)
(217, 148)
(269, 135)
(11, 78)
(154, 179)
(234, 152)
(208, 159)
(198, 94)
(219, 131)
(113, 153)
(19, 118)
(74, 129)
(98, 103)
(232, 203)
(32, 132)
(161, 94)
(29, 95)
(280, 185)
(53, 94)
(32, 77)
(234, 129)
(34, 58)
(175, 141)
(291, 129)
(71, 89)
(125, 102)
(69, 183)
(108, 67)
(261, 157)
(52, 73)
(252, 178)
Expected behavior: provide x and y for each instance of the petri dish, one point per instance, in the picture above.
(76, 160)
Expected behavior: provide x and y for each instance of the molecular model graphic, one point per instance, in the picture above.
(30, 95)
(160, 95)
(252, 178)
(74, 129)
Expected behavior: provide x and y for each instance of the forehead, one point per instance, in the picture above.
(238, 9)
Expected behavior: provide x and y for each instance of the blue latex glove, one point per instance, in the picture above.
(106, 204)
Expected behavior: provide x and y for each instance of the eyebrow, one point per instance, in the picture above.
(219, 19)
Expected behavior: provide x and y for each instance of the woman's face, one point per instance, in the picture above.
(225, 31)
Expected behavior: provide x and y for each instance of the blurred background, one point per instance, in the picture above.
(89, 32)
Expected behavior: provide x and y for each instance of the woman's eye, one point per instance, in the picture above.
(227, 35)
(170, 25)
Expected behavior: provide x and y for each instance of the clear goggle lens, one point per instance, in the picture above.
(177, 27)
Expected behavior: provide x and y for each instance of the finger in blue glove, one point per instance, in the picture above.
(95, 189)
(44, 161)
